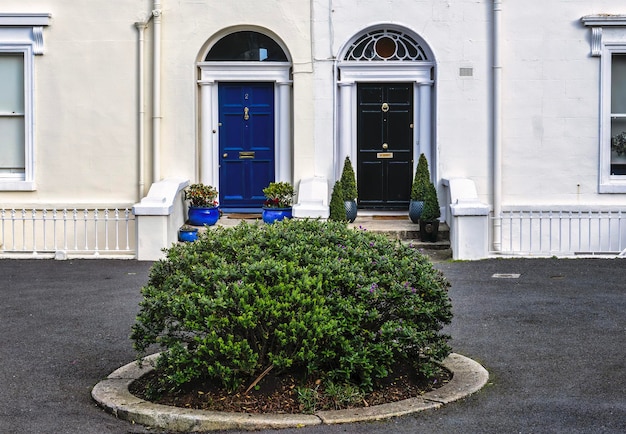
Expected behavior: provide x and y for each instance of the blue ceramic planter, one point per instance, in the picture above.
(200, 216)
(187, 235)
(415, 210)
(271, 215)
(351, 210)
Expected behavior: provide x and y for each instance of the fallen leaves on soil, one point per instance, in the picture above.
(279, 393)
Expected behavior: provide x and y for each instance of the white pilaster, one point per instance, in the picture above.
(208, 150)
(283, 150)
(346, 131)
(425, 125)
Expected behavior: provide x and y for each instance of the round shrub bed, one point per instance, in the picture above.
(299, 295)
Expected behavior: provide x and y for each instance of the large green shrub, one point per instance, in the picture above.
(341, 303)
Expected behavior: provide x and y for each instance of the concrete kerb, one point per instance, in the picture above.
(113, 395)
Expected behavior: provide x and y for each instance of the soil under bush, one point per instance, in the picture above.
(279, 393)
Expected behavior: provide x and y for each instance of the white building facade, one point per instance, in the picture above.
(107, 110)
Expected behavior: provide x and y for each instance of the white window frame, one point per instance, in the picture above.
(608, 37)
(23, 34)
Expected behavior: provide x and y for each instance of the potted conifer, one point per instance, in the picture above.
(419, 189)
(337, 207)
(348, 187)
(429, 220)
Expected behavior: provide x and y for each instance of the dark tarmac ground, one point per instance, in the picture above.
(553, 340)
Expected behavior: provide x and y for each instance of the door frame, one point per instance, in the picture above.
(419, 74)
(211, 73)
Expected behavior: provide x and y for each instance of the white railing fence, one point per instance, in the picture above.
(67, 232)
(559, 233)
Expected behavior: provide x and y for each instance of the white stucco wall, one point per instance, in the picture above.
(86, 96)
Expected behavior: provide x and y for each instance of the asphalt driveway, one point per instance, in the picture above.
(553, 340)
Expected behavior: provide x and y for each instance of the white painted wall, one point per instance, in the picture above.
(86, 100)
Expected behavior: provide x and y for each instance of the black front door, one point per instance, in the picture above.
(384, 144)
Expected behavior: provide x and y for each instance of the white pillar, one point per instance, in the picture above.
(345, 125)
(284, 149)
(208, 152)
(425, 124)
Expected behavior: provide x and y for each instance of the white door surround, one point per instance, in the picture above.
(408, 67)
(212, 73)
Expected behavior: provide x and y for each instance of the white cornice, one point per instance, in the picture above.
(597, 22)
(602, 20)
(24, 19)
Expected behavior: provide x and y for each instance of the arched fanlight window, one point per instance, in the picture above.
(246, 46)
(384, 45)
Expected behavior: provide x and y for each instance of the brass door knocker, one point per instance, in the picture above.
(385, 107)
(246, 116)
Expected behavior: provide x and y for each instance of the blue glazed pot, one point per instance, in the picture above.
(351, 210)
(187, 235)
(415, 210)
(271, 215)
(200, 216)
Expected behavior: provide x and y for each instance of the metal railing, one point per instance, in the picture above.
(559, 233)
(67, 232)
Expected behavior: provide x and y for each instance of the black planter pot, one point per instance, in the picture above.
(429, 230)
(415, 210)
(351, 210)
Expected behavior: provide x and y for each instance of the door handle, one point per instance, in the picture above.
(385, 146)
(246, 114)
(224, 155)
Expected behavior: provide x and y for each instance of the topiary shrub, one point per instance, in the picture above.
(348, 181)
(421, 179)
(431, 204)
(337, 208)
(303, 295)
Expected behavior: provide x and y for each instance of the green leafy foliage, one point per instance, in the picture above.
(342, 304)
(337, 208)
(348, 181)
(201, 195)
(421, 180)
(278, 195)
(431, 209)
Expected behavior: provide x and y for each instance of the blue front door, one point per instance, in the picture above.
(246, 141)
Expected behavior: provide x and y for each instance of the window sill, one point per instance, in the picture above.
(6, 185)
(614, 187)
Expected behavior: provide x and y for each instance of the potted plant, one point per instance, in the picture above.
(429, 220)
(337, 204)
(421, 180)
(187, 233)
(203, 205)
(618, 143)
(278, 201)
(348, 187)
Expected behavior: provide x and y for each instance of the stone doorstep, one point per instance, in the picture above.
(112, 394)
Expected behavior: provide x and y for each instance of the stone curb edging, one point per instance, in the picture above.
(112, 394)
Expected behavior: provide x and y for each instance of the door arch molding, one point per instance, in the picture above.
(212, 72)
(412, 61)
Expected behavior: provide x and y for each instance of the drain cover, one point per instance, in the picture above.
(506, 276)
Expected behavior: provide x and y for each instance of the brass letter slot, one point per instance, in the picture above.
(384, 155)
(244, 155)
